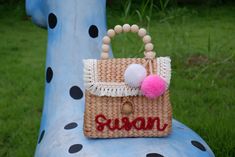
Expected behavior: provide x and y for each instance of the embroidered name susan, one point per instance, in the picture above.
(140, 123)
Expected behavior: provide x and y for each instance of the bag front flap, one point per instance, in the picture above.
(106, 77)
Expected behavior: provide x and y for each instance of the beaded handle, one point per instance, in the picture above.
(149, 53)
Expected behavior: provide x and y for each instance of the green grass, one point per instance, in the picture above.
(200, 41)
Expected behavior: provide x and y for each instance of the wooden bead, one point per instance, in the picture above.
(142, 32)
(127, 108)
(134, 28)
(104, 55)
(150, 55)
(148, 47)
(126, 28)
(146, 39)
(106, 40)
(105, 48)
(111, 33)
(118, 29)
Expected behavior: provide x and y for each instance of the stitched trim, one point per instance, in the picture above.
(114, 89)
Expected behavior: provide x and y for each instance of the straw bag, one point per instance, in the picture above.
(127, 97)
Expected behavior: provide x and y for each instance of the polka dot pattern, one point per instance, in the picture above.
(93, 31)
(49, 74)
(71, 126)
(76, 92)
(198, 145)
(52, 20)
(75, 148)
(41, 136)
(154, 155)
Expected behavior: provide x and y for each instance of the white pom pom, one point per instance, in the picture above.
(134, 75)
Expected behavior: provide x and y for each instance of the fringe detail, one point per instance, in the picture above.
(164, 69)
(114, 89)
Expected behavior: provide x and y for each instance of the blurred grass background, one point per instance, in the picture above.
(199, 38)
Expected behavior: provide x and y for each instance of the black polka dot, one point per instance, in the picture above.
(93, 31)
(49, 74)
(52, 20)
(198, 145)
(75, 148)
(41, 136)
(154, 155)
(76, 92)
(71, 126)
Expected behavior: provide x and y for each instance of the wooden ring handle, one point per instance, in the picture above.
(149, 53)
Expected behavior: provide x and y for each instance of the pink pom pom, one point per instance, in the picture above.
(153, 86)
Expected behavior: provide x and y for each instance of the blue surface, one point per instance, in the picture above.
(69, 42)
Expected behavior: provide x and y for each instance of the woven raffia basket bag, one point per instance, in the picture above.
(113, 107)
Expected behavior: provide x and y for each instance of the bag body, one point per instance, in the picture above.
(113, 109)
